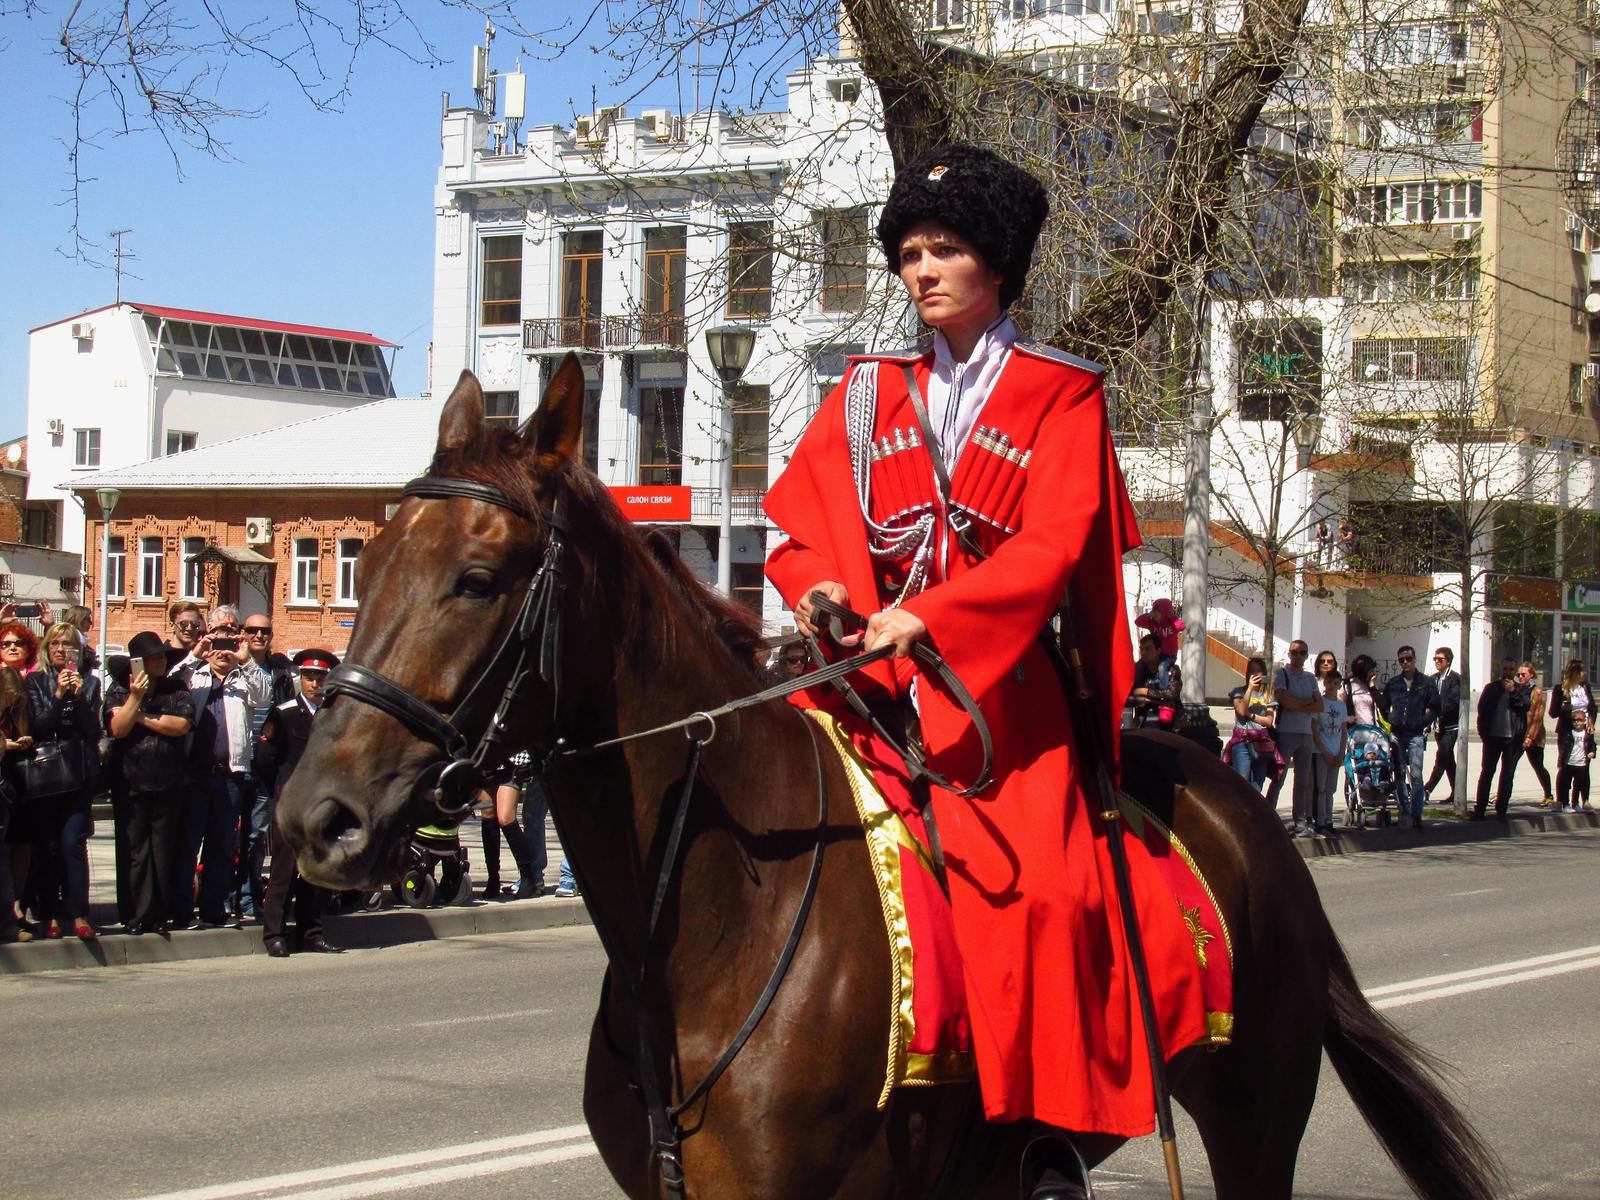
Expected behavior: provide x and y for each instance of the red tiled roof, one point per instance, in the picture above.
(210, 318)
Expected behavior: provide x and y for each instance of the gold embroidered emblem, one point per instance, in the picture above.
(1202, 937)
(937, 173)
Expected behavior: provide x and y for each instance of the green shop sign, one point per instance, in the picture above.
(1583, 598)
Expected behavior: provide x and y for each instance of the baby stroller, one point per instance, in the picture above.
(1369, 783)
(436, 869)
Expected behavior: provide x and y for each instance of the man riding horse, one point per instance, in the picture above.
(956, 493)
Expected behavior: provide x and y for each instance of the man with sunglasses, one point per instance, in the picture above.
(257, 641)
(1410, 703)
(188, 627)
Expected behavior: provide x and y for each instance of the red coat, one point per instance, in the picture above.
(1054, 1012)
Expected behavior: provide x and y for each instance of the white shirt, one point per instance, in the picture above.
(957, 392)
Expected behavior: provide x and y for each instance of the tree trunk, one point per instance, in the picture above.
(1269, 616)
(1469, 707)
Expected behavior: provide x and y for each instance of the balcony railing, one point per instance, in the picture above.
(644, 329)
(561, 333)
(705, 504)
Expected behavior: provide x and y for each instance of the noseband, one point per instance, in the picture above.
(530, 645)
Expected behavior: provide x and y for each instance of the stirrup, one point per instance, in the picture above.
(1042, 1154)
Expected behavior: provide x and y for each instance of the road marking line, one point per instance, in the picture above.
(389, 1184)
(1473, 892)
(1478, 985)
(371, 1166)
(1429, 981)
(476, 1019)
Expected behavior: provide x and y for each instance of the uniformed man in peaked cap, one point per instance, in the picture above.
(278, 749)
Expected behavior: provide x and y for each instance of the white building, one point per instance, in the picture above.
(623, 236)
(129, 382)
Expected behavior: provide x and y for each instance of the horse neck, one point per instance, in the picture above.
(756, 778)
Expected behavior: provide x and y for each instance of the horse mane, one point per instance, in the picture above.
(497, 455)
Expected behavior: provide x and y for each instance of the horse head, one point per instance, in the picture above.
(442, 588)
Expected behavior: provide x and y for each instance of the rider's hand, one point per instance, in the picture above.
(803, 611)
(895, 626)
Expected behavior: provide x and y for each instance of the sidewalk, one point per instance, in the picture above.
(402, 925)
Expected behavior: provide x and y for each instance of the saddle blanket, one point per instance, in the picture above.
(930, 1035)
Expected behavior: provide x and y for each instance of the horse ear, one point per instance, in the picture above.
(557, 427)
(462, 418)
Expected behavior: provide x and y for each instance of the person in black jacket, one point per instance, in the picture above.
(282, 741)
(1448, 683)
(150, 714)
(1573, 707)
(64, 707)
(1410, 703)
(256, 633)
(1502, 722)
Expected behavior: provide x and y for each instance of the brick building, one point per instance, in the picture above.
(271, 521)
(30, 569)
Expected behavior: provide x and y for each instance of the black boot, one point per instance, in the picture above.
(1052, 1169)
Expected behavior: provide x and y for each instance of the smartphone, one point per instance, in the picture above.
(225, 643)
(27, 611)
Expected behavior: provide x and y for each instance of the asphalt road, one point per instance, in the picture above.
(452, 1069)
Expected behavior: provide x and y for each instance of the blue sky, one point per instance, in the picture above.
(324, 218)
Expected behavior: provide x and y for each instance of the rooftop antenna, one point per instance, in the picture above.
(118, 255)
(482, 79)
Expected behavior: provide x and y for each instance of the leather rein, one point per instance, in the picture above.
(531, 647)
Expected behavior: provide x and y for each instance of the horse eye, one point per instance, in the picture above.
(475, 581)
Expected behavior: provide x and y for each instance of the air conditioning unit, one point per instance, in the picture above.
(83, 331)
(55, 427)
(257, 531)
(1464, 233)
(583, 129)
(659, 122)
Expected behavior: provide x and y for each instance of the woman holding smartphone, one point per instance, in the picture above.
(64, 705)
(1251, 750)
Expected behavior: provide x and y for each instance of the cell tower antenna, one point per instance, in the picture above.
(118, 255)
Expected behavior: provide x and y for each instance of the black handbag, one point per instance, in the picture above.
(56, 768)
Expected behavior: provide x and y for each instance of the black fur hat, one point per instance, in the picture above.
(994, 204)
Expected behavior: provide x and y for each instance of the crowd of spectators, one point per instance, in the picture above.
(1292, 721)
(192, 735)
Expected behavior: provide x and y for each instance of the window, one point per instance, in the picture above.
(194, 574)
(1415, 203)
(39, 524)
(502, 279)
(660, 435)
(116, 566)
(750, 269)
(752, 410)
(1413, 360)
(86, 448)
(946, 14)
(581, 260)
(1575, 388)
(307, 560)
(152, 556)
(664, 257)
(349, 551)
(500, 408)
(844, 259)
(178, 441)
(267, 358)
(1416, 279)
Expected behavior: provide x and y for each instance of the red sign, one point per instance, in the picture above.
(653, 503)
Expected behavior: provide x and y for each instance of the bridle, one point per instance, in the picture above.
(532, 646)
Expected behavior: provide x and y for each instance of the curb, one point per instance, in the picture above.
(1445, 831)
(355, 931)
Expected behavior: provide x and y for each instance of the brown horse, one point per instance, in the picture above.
(636, 642)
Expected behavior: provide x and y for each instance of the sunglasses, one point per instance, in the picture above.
(258, 630)
(13, 645)
(189, 625)
(1408, 658)
(225, 629)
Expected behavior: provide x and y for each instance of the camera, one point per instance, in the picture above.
(225, 643)
(26, 612)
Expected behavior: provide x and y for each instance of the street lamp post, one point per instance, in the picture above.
(108, 498)
(730, 347)
(1305, 427)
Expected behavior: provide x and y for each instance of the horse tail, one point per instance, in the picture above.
(1396, 1085)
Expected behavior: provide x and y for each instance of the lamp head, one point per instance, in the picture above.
(730, 347)
(108, 498)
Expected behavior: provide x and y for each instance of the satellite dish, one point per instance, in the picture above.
(14, 452)
(1591, 303)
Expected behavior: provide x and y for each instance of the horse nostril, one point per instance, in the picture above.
(339, 827)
